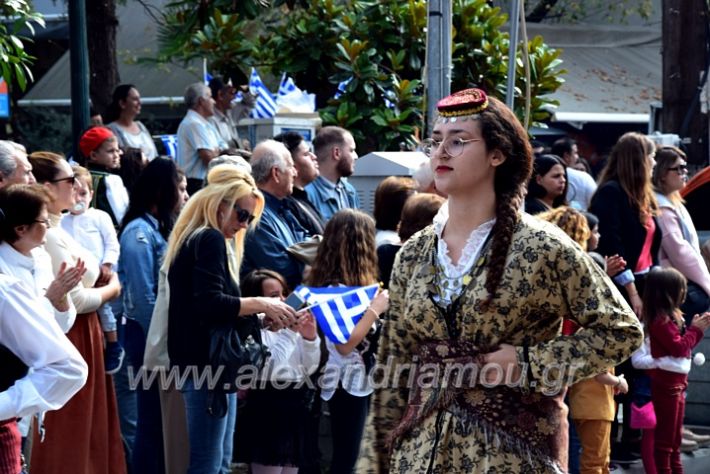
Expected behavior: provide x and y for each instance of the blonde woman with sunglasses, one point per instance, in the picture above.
(203, 259)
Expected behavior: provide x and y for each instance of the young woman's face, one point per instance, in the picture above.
(229, 222)
(461, 162)
(182, 192)
(594, 239)
(676, 176)
(272, 287)
(62, 188)
(108, 154)
(553, 181)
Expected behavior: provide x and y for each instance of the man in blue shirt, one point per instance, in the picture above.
(265, 247)
(198, 140)
(331, 192)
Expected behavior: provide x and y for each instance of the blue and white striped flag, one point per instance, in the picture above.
(342, 86)
(206, 76)
(287, 85)
(338, 309)
(265, 106)
(171, 145)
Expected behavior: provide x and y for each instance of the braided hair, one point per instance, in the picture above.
(502, 131)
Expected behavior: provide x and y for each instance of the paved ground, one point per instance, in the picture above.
(697, 462)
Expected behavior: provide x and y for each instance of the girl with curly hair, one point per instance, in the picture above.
(347, 256)
(476, 308)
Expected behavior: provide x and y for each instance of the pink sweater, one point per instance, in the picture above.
(677, 252)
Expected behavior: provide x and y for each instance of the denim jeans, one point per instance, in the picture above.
(127, 405)
(211, 438)
(148, 446)
(108, 320)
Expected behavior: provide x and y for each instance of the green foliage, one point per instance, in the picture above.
(14, 61)
(379, 46)
(44, 128)
(187, 32)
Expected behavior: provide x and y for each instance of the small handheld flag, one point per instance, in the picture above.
(171, 143)
(338, 309)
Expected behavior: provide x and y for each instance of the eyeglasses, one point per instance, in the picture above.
(42, 221)
(452, 146)
(243, 215)
(71, 179)
(680, 169)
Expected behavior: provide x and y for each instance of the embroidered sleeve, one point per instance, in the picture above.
(390, 398)
(609, 331)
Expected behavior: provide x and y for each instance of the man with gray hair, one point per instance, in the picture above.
(198, 140)
(274, 172)
(15, 168)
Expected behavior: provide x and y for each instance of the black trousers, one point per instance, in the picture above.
(347, 418)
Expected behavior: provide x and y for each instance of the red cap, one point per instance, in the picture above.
(465, 102)
(93, 138)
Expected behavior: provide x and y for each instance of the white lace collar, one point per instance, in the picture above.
(452, 279)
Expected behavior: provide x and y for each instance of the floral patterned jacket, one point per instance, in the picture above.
(483, 429)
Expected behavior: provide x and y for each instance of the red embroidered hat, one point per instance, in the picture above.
(93, 138)
(465, 102)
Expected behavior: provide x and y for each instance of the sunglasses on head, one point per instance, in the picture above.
(243, 215)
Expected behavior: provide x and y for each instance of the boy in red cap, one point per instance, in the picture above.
(102, 157)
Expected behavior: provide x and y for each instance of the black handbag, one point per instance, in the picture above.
(232, 348)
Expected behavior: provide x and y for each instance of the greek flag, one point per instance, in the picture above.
(265, 105)
(206, 76)
(171, 144)
(342, 87)
(287, 85)
(338, 309)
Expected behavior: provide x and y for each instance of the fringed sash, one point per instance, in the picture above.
(447, 377)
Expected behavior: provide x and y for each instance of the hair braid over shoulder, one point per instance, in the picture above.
(503, 132)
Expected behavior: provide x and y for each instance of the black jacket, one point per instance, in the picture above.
(619, 225)
(203, 296)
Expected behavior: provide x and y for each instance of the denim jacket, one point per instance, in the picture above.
(142, 252)
(324, 196)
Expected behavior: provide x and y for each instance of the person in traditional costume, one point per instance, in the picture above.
(477, 302)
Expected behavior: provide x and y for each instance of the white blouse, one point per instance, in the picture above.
(35, 272)
(58, 370)
(292, 359)
(451, 276)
